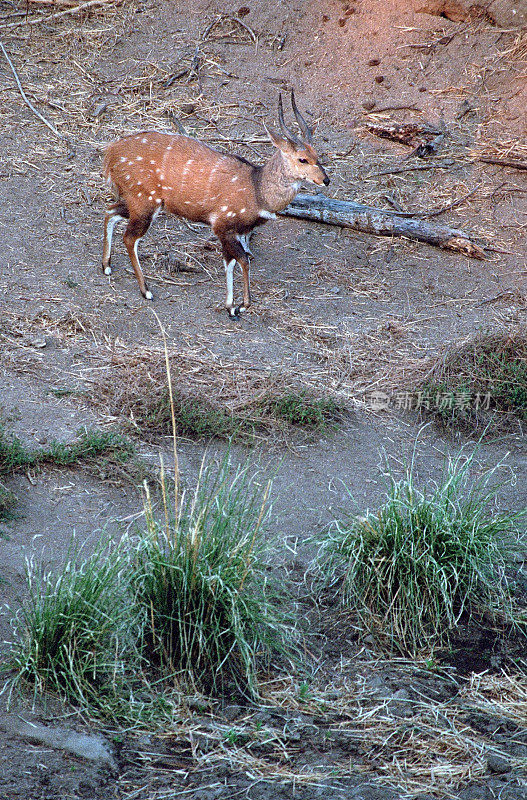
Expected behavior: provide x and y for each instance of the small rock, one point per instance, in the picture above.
(368, 105)
(99, 109)
(401, 694)
(39, 342)
(379, 78)
(374, 62)
(498, 764)
(92, 747)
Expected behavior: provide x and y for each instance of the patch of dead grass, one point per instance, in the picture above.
(212, 397)
(480, 382)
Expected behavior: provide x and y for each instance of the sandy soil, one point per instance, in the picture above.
(347, 312)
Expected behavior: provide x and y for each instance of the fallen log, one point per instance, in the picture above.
(504, 162)
(368, 219)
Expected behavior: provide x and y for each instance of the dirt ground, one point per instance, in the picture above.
(348, 313)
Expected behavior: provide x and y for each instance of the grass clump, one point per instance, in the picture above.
(73, 632)
(185, 605)
(302, 409)
(482, 377)
(427, 558)
(7, 503)
(198, 417)
(91, 445)
(210, 610)
(210, 399)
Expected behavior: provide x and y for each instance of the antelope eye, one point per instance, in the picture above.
(303, 160)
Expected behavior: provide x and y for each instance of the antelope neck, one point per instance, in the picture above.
(275, 186)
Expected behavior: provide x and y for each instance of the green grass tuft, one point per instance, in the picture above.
(425, 559)
(90, 445)
(480, 379)
(209, 399)
(301, 409)
(199, 418)
(196, 418)
(183, 605)
(209, 606)
(73, 630)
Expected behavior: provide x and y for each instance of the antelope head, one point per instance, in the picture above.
(299, 156)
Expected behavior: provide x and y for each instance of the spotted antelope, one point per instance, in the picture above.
(151, 171)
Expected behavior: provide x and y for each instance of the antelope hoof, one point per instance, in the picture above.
(107, 269)
(148, 295)
(234, 313)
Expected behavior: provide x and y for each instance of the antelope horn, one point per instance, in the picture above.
(285, 130)
(307, 133)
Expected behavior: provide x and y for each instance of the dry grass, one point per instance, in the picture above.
(212, 396)
(518, 51)
(501, 150)
(484, 379)
(431, 748)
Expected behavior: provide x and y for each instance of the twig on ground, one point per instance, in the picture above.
(503, 162)
(393, 108)
(232, 18)
(446, 164)
(71, 10)
(37, 113)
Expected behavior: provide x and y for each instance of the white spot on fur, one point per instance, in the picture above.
(233, 180)
(231, 214)
(224, 208)
(212, 219)
(127, 177)
(152, 161)
(158, 200)
(243, 210)
(139, 158)
(144, 140)
(266, 214)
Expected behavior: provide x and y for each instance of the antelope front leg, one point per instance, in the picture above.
(229, 278)
(246, 285)
(233, 252)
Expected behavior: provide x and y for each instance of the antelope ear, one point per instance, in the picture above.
(280, 142)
